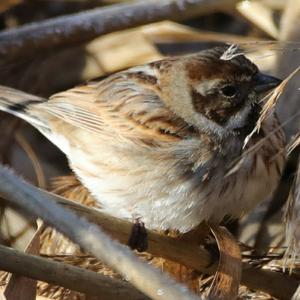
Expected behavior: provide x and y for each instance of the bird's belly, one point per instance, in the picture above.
(172, 203)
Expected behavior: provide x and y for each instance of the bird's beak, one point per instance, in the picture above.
(264, 83)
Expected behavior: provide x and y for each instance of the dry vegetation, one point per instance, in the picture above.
(53, 54)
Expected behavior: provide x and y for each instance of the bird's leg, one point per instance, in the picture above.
(138, 239)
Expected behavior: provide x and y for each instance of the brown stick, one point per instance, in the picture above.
(65, 275)
(82, 27)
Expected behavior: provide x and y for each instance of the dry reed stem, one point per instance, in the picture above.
(84, 26)
(272, 101)
(66, 275)
(169, 32)
(260, 15)
(295, 141)
(92, 239)
(176, 249)
(268, 108)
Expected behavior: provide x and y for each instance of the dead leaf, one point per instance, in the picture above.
(227, 279)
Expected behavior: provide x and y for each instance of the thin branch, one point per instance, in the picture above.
(84, 26)
(89, 236)
(71, 277)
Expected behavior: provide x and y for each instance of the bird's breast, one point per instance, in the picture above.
(167, 194)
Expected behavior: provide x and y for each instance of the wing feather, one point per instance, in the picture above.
(120, 103)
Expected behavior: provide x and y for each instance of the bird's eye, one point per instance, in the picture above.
(229, 91)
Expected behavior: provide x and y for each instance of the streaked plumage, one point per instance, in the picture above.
(158, 142)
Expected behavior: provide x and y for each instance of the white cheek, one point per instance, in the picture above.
(239, 119)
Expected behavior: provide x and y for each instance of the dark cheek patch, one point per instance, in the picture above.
(215, 108)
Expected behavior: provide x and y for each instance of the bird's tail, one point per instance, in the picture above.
(19, 104)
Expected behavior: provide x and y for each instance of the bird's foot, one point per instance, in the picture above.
(138, 239)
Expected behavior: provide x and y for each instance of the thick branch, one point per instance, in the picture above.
(65, 275)
(92, 239)
(84, 26)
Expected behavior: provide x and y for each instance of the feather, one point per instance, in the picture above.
(18, 103)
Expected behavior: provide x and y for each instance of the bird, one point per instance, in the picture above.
(163, 143)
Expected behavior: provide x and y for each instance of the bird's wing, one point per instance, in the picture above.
(121, 103)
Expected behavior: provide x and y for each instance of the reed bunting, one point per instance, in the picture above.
(163, 143)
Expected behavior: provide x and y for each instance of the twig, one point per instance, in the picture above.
(179, 250)
(38, 169)
(65, 275)
(92, 239)
(84, 26)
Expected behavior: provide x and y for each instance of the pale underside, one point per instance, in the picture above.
(155, 187)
